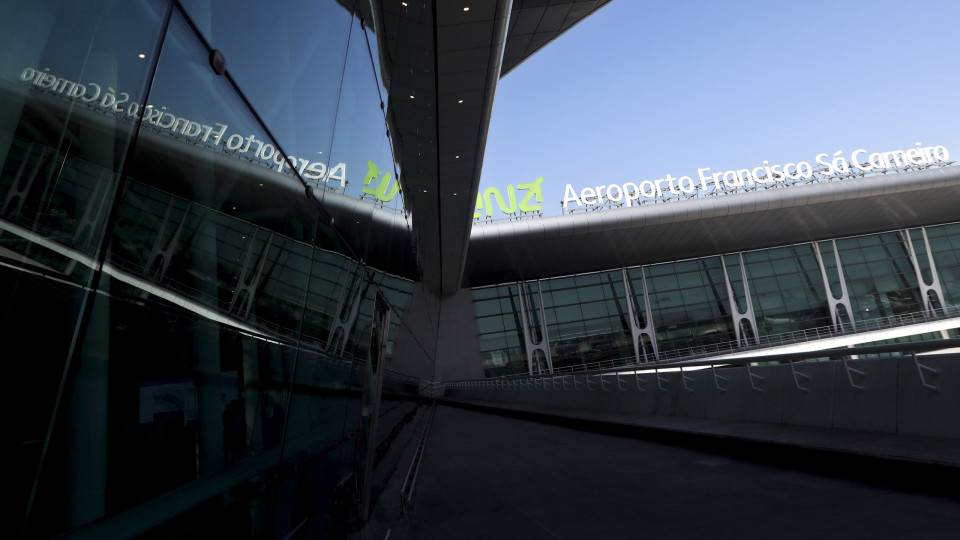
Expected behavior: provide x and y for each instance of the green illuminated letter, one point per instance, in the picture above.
(383, 191)
(511, 195)
(533, 190)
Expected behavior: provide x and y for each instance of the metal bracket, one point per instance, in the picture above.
(684, 378)
(643, 387)
(920, 368)
(661, 380)
(797, 376)
(850, 372)
(717, 379)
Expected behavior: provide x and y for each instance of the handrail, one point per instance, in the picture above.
(771, 340)
(406, 492)
(906, 350)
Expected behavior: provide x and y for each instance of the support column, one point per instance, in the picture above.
(738, 317)
(206, 359)
(834, 303)
(245, 292)
(931, 293)
(87, 410)
(636, 330)
(342, 326)
(530, 345)
(161, 254)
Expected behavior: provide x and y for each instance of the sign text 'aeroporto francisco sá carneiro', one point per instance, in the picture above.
(860, 161)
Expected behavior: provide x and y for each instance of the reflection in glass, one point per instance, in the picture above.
(207, 344)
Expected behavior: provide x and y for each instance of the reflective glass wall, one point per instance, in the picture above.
(186, 198)
(725, 303)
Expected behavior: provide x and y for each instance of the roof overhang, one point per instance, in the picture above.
(442, 65)
(650, 233)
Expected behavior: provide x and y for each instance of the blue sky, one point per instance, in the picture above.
(642, 89)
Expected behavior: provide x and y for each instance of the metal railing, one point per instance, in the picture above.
(764, 342)
(410, 482)
(519, 216)
(814, 334)
(623, 378)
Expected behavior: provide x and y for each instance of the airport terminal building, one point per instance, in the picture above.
(239, 245)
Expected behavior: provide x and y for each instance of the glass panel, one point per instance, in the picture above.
(292, 54)
(71, 83)
(226, 321)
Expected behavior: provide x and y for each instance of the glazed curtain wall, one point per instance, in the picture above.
(723, 303)
(175, 302)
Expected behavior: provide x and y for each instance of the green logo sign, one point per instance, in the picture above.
(532, 189)
(383, 191)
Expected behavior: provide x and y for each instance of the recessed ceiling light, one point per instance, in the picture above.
(466, 8)
(412, 97)
(141, 55)
(459, 101)
(456, 157)
(404, 4)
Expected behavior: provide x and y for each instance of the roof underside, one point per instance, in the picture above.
(442, 65)
(535, 23)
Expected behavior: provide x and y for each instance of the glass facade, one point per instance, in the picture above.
(176, 301)
(587, 318)
(945, 249)
(726, 303)
(500, 330)
(880, 277)
(689, 305)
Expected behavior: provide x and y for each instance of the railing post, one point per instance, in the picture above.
(684, 378)
(660, 380)
(796, 378)
(718, 378)
(751, 375)
(850, 372)
(920, 368)
(641, 387)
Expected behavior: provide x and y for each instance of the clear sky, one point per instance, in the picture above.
(642, 89)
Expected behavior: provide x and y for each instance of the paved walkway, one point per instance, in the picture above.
(879, 446)
(490, 476)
